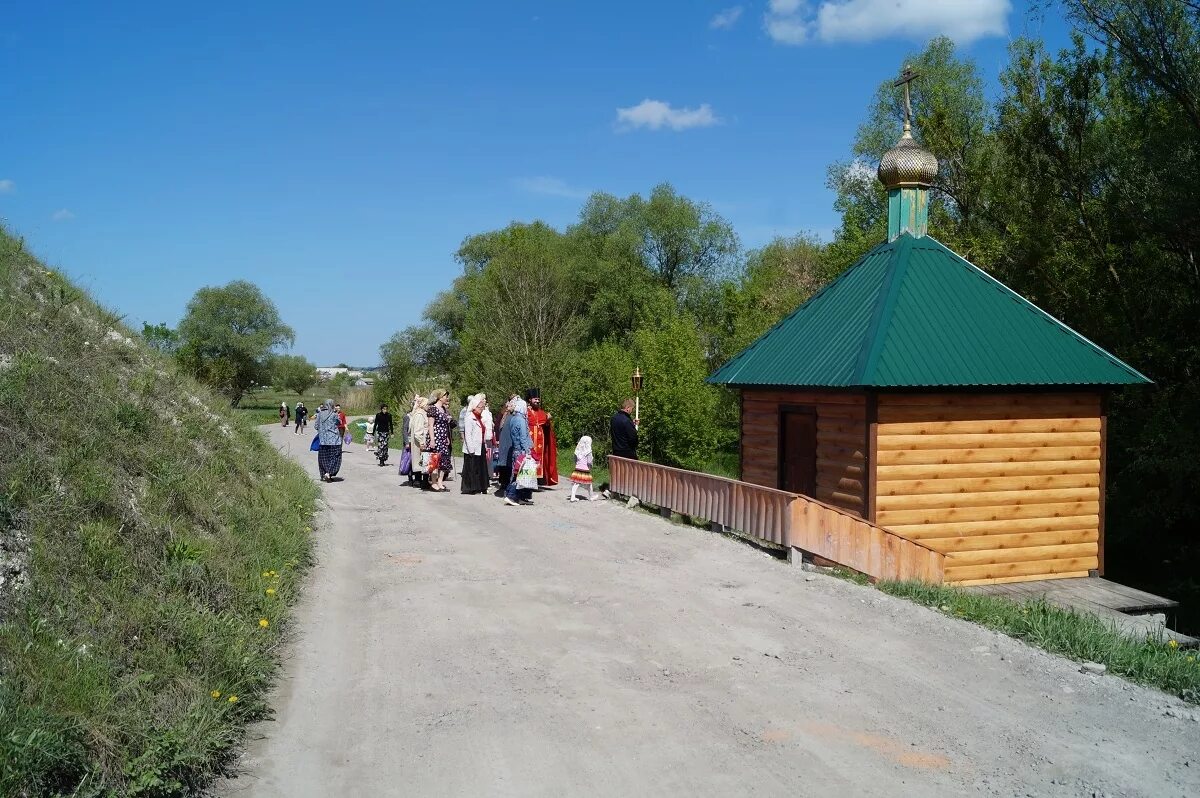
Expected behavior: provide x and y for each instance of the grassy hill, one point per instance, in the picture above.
(150, 543)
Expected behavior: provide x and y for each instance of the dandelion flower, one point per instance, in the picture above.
(266, 574)
(264, 623)
(270, 591)
(215, 694)
(1173, 644)
(1191, 659)
(232, 699)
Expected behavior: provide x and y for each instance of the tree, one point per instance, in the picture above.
(227, 336)
(397, 368)
(293, 373)
(160, 338)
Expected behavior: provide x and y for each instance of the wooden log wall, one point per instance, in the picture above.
(841, 442)
(1007, 486)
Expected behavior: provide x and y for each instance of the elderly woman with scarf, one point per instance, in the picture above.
(440, 424)
(476, 432)
(418, 440)
(329, 437)
(517, 426)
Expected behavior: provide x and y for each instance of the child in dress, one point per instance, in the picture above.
(582, 475)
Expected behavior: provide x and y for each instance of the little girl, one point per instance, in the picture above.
(582, 475)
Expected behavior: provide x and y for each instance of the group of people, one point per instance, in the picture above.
(285, 416)
(517, 452)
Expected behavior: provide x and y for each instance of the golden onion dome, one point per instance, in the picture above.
(907, 164)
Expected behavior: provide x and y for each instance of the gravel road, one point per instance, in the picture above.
(449, 645)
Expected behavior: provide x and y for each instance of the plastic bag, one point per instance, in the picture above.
(527, 474)
(349, 439)
(405, 462)
(315, 446)
(435, 461)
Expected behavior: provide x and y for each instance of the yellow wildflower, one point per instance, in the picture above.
(1191, 659)
(215, 694)
(266, 574)
(264, 623)
(270, 591)
(232, 699)
(1173, 644)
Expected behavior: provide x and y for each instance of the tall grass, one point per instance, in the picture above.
(159, 540)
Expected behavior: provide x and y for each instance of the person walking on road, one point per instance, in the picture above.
(624, 432)
(285, 414)
(522, 448)
(345, 424)
(502, 460)
(418, 440)
(329, 438)
(383, 431)
(439, 438)
(301, 417)
(581, 477)
(476, 432)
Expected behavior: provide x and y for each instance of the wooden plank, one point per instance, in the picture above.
(1013, 526)
(1017, 541)
(1019, 454)
(1004, 580)
(835, 481)
(999, 570)
(870, 489)
(834, 426)
(850, 455)
(907, 414)
(911, 487)
(992, 426)
(1103, 478)
(848, 500)
(852, 440)
(801, 397)
(889, 518)
(1011, 440)
(1030, 554)
(1089, 399)
(852, 469)
(936, 471)
(1007, 498)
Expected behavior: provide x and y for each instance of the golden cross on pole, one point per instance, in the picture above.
(907, 77)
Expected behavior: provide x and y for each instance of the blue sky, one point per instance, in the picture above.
(337, 154)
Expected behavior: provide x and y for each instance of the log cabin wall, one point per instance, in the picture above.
(841, 442)
(1008, 486)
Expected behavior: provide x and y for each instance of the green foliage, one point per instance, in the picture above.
(139, 533)
(1080, 636)
(160, 338)
(292, 373)
(398, 357)
(228, 335)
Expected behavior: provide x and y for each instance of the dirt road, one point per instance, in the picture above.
(449, 645)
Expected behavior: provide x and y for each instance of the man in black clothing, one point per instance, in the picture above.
(624, 432)
(383, 431)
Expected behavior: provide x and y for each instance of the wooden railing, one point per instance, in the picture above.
(788, 519)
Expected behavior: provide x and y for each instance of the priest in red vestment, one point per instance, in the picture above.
(545, 448)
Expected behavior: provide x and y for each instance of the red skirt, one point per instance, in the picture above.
(581, 477)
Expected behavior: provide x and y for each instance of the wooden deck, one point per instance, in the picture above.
(1086, 593)
(1127, 607)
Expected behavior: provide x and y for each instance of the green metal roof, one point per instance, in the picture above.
(912, 313)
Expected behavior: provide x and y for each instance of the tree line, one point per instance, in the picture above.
(1076, 185)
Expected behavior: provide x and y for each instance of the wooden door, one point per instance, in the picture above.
(798, 451)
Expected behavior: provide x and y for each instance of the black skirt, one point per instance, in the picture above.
(474, 474)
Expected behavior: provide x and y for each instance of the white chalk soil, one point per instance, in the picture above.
(448, 645)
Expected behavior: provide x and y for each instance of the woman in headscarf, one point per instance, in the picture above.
(329, 437)
(503, 451)
(418, 436)
(476, 431)
(522, 447)
(439, 437)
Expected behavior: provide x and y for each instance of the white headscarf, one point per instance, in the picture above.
(520, 407)
(584, 447)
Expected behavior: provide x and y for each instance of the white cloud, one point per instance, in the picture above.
(788, 21)
(62, 215)
(656, 114)
(7, 186)
(726, 19)
(795, 22)
(550, 186)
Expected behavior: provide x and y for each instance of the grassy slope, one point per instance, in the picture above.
(153, 531)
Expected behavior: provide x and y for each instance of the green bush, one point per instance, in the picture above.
(145, 525)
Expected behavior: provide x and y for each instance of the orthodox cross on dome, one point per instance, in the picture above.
(906, 77)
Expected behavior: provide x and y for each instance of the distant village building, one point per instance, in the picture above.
(329, 372)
